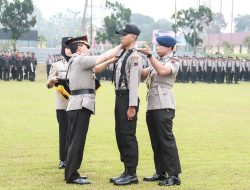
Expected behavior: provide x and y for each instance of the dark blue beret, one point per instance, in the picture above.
(166, 41)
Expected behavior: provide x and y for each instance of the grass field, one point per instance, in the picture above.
(212, 128)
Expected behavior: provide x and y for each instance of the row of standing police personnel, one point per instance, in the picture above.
(17, 65)
(212, 70)
(160, 77)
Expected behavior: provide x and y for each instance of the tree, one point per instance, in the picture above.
(147, 25)
(17, 18)
(242, 23)
(61, 24)
(119, 16)
(163, 24)
(218, 23)
(247, 43)
(192, 23)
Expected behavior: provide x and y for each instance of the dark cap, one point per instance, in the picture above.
(81, 39)
(129, 29)
(64, 39)
(166, 41)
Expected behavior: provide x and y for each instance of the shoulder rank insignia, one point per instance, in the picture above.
(134, 60)
(174, 59)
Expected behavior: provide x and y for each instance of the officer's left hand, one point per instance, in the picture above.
(131, 112)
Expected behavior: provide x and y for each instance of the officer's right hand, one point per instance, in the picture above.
(54, 79)
(145, 50)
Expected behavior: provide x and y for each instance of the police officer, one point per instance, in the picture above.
(161, 111)
(49, 62)
(58, 71)
(1, 65)
(6, 66)
(33, 65)
(127, 78)
(81, 105)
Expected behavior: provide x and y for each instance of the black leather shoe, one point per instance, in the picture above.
(80, 181)
(61, 165)
(127, 180)
(84, 177)
(155, 177)
(113, 179)
(170, 181)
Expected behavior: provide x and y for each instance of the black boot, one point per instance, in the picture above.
(61, 165)
(113, 179)
(170, 181)
(155, 177)
(127, 180)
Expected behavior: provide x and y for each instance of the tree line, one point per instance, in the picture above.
(19, 16)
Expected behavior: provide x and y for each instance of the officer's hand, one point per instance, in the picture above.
(131, 112)
(114, 59)
(54, 79)
(145, 49)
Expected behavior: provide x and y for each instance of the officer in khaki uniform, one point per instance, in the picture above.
(161, 111)
(127, 78)
(58, 71)
(81, 105)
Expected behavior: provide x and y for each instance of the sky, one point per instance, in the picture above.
(157, 9)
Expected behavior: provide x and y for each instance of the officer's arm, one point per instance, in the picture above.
(161, 69)
(135, 75)
(145, 72)
(108, 55)
(101, 67)
(52, 78)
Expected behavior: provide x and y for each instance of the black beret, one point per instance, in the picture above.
(129, 29)
(166, 41)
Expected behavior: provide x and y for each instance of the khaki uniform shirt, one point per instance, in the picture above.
(160, 93)
(59, 69)
(81, 76)
(133, 71)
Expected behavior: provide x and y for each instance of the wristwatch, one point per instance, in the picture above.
(149, 55)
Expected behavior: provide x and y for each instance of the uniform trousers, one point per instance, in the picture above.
(63, 128)
(125, 131)
(78, 124)
(19, 74)
(166, 157)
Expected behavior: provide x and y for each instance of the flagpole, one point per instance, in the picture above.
(232, 15)
(175, 18)
(220, 28)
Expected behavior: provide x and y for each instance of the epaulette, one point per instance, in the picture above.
(134, 59)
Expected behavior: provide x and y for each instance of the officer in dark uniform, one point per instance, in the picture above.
(161, 111)
(237, 70)
(33, 65)
(19, 66)
(6, 66)
(81, 105)
(1, 65)
(127, 78)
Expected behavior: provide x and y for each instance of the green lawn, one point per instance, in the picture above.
(212, 128)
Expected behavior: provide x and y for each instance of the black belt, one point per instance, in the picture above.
(82, 91)
(122, 92)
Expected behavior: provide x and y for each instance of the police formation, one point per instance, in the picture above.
(213, 70)
(15, 65)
